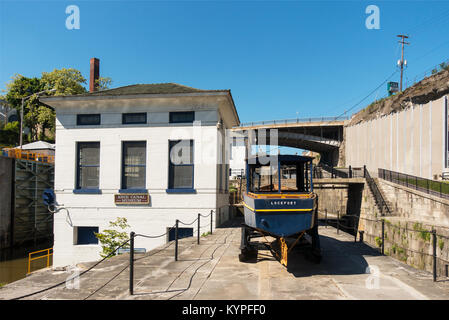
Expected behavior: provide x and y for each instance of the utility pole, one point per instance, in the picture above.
(401, 62)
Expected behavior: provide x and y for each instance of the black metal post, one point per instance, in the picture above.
(325, 217)
(338, 222)
(131, 263)
(361, 235)
(434, 247)
(364, 171)
(383, 236)
(447, 271)
(211, 220)
(199, 215)
(350, 172)
(176, 240)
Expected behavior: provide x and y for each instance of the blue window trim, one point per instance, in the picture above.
(79, 116)
(87, 191)
(133, 191)
(133, 114)
(189, 113)
(78, 165)
(181, 190)
(170, 165)
(122, 182)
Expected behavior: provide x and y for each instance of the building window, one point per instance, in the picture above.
(86, 235)
(134, 118)
(182, 117)
(180, 170)
(88, 119)
(182, 233)
(88, 165)
(134, 164)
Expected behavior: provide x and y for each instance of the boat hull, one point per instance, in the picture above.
(280, 217)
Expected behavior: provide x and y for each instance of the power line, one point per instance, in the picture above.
(429, 22)
(383, 82)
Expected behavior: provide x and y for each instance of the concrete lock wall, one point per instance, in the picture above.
(6, 183)
(416, 205)
(404, 238)
(413, 141)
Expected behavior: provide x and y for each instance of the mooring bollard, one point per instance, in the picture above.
(198, 242)
(131, 263)
(383, 236)
(434, 253)
(211, 221)
(176, 240)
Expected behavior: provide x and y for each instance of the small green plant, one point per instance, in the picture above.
(424, 235)
(110, 239)
(441, 244)
(2, 284)
(378, 241)
(205, 234)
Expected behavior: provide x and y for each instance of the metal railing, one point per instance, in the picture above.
(176, 227)
(378, 197)
(292, 121)
(30, 258)
(433, 187)
(27, 155)
(325, 171)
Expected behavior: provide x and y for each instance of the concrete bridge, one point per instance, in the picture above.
(322, 135)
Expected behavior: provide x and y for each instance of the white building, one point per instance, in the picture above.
(238, 154)
(136, 140)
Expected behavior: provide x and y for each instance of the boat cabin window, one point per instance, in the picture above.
(294, 177)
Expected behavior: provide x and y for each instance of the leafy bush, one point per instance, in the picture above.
(110, 239)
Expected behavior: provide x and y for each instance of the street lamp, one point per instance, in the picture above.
(21, 112)
(4, 102)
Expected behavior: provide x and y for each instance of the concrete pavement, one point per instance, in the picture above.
(212, 270)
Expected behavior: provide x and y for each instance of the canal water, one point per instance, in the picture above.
(14, 263)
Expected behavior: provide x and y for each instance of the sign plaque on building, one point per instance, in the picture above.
(132, 198)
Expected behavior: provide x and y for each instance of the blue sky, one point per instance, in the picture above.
(279, 58)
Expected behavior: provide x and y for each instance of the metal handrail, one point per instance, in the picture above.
(297, 120)
(27, 155)
(350, 172)
(382, 204)
(40, 257)
(436, 188)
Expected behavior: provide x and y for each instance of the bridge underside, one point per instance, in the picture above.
(323, 138)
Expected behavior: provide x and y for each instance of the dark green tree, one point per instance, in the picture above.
(38, 117)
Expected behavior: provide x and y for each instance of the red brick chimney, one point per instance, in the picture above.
(94, 74)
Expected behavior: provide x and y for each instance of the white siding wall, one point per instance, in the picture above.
(164, 208)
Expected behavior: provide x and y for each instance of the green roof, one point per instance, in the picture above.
(153, 88)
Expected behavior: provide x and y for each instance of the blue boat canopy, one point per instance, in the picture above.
(279, 173)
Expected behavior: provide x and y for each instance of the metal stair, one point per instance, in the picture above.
(382, 204)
